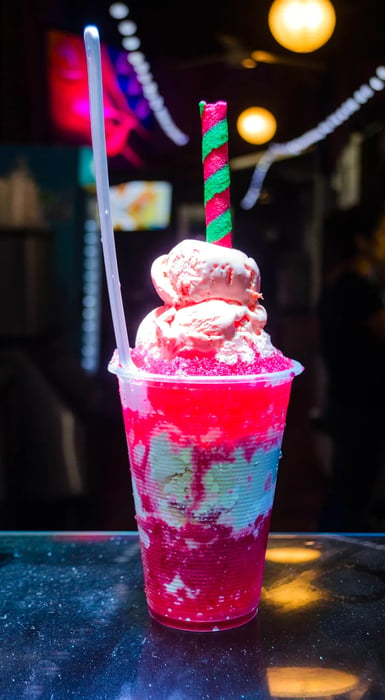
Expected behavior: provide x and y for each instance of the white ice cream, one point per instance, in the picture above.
(211, 305)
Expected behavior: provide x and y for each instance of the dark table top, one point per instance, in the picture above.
(74, 624)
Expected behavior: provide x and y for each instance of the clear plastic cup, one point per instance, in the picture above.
(204, 454)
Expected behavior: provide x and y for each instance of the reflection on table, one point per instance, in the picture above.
(74, 624)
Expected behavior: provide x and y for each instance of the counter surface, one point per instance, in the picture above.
(74, 624)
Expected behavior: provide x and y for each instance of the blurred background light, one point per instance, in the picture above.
(127, 27)
(292, 555)
(131, 43)
(309, 682)
(302, 25)
(118, 10)
(248, 63)
(256, 125)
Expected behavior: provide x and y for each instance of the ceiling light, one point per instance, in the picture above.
(256, 125)
(264, 57)
(302, 25)
(248, 63)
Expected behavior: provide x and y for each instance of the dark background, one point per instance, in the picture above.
(187, 46)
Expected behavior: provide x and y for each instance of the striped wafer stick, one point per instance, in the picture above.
(216, 173)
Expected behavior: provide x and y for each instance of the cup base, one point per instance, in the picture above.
(204, 626)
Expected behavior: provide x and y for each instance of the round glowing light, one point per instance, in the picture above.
(363, 94)
(127, 27)
(131, 43)
(248, 63)
(302, 25)
(90, 326)
(292, 555)
(118, 10)
(137, 58)
(157, 103)
(91, 264)
(256, 125)
(309, 682)
(90, 276)
(151, 90)
(89, 350)
(145, 78)
(89, 313)
(376, 83)
(90, 288)
(142, 68)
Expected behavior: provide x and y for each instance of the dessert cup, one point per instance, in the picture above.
(204, 453)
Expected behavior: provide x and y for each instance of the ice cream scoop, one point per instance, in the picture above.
(211, 310)
(205, 327)
(196, 270)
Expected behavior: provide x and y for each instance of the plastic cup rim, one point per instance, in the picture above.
(131, 372)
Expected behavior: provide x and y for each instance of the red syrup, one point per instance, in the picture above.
(222, 577)
(203, 558)
(192, 364)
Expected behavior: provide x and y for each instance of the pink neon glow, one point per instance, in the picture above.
(69, 102)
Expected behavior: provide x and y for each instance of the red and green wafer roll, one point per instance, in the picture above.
(216, 173)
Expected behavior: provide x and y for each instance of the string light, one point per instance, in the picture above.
(300, 144)
(91, 292)
(131, 43)
(118, 10)
(127, 27)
